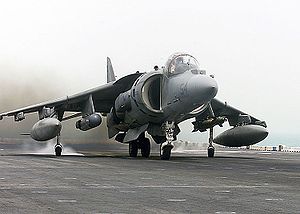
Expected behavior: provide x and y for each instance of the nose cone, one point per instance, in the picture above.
(202, 88)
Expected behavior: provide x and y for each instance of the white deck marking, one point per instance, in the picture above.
(225, 212)
(39, 192)
(176, 200)
(177, 184)
(252, 173)
(120, 173)
(210, 187)
(67, 201)
(274, 199)
(146, 178)
(222, 191)
(107, 186)
(127, 191)
(228, 168)
(70, 178)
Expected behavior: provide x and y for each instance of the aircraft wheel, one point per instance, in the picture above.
(133, 149)
(166, 152)
(211, 152)
(58, 150)
(145, 148)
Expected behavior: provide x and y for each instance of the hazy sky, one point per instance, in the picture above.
(252, 48)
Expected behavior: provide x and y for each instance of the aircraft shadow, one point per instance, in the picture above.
(125, 156)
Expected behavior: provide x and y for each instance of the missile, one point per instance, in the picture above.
(242, 136)
(45, 129)
(89, 122)
(203, 125)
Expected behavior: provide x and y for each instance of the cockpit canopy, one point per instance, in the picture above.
(180, 63)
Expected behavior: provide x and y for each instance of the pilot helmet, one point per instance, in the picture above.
(179, 59)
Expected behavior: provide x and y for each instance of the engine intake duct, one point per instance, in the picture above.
(151, 93)
(89, 122)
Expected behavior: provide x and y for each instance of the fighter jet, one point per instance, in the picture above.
(155, 103)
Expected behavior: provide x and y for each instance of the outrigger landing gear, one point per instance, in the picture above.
(166, 147)
(58, 146)
(211, 148)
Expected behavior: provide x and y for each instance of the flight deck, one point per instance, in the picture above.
(108, 181)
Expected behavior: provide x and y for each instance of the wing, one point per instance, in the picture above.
(103, 98)
(222, 109)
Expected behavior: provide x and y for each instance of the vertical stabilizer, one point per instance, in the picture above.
(110, 71)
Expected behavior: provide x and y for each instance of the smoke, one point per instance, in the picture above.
(189, 147)
(23, 85)
(19, 89)
(29, 147)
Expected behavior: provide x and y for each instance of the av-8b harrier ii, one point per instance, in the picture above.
(154, 102)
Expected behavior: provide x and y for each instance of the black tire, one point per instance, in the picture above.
(166, 153)
(145, 148)
(58, 150)
(133, 149)
(211, 152)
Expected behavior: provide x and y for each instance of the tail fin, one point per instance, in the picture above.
(110, 71)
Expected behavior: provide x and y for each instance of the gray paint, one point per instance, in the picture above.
(242, 136)
(137, 101)
(45, 129)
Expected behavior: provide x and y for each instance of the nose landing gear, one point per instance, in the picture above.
(166, 147)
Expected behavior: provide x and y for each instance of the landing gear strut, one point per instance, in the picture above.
(142, 143)
(166, 147)
(133, 149)
(211, 148)
(145, 148)
(58, 146)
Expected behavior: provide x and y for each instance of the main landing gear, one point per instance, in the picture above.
(211, 148)
(142, 143)
(58, 146)
(166, 147)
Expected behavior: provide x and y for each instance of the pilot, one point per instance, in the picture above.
(175, 64)
(156, 68)
(179, 60)
(180, 65)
